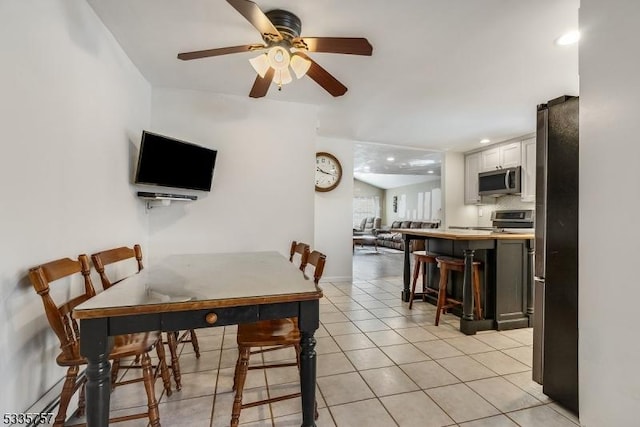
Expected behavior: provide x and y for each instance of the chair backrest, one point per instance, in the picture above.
(111, 256)
(59, 314)
(317, 259)
(303, 250)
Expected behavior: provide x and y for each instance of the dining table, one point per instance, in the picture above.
(190, 291)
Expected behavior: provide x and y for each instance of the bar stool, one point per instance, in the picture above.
(447, 264)
(421, 258)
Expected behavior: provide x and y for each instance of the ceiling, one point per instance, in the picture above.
(389, 166)
(443, 75)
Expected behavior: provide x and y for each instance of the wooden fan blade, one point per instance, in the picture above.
(261, 84)
(186, 56)
(257, 18)
(323, 78)
(348, 45)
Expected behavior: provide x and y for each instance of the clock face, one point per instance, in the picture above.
(328, 172)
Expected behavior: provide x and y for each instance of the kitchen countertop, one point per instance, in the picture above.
(460, 234)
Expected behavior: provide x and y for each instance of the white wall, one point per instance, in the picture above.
(334, 214)
(411, 196)
(72, 106)
(263, 188)
(452, 177)
(609, 204)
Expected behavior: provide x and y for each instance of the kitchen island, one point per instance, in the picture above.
(507, 274)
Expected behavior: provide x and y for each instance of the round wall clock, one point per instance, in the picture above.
(328, 171)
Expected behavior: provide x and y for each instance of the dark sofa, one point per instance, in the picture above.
(388, 239)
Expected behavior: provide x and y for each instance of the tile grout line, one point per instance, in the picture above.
(443, 367)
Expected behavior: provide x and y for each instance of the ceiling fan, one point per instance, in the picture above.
(284, 50)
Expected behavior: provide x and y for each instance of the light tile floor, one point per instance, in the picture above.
(379, 364)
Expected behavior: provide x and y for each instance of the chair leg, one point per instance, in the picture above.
(442, 292)
(236, 372)
(416, 274)
(162, 366)
(149, 380)
(194, 342)
(298, 350)
(115, 367)
(65, 396)
(175, 364)
(81, 400)
(243, 367)
(476, 293)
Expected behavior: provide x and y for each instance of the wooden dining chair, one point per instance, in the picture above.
(68, 332)
(275, 335)
(302, 249)
(173, 339)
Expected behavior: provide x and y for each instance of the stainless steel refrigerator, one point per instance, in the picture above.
(555, 340)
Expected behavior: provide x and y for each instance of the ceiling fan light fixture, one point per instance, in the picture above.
(300, 65)
(261, 64)
(278, 57)
(282, 77)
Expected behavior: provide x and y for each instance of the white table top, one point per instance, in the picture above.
(186, 282)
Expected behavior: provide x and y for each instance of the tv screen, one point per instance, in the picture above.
(169, 162)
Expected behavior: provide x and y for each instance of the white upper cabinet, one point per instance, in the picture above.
(510, 155)
(471, 171)
(490, 159)
(502, 156)
(529, 170)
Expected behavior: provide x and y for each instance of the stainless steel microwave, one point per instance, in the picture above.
(500, 182)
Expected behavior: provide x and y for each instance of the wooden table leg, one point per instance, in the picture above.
(308, 322)
(95, 345)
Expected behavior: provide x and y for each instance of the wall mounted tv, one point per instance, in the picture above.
(169, 162)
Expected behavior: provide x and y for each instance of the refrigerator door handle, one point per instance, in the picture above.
(538, 278)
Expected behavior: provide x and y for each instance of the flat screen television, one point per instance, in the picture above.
(169, 162)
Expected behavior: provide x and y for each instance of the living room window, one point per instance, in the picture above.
(365, 206)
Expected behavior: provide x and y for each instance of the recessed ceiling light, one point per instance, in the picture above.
(485, 141)
(421, 162)
(429, 171)
(568, 38)
(390, 159)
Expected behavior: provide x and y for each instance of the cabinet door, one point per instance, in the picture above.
(510, 155)
(529, 170)
(490, 159)
(471, 170)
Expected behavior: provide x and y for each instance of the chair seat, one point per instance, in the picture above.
(269, 333)
(124, 346)
(424, 253)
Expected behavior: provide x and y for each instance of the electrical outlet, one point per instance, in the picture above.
(480, 213)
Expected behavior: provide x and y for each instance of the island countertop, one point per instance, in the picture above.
(461, 234)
